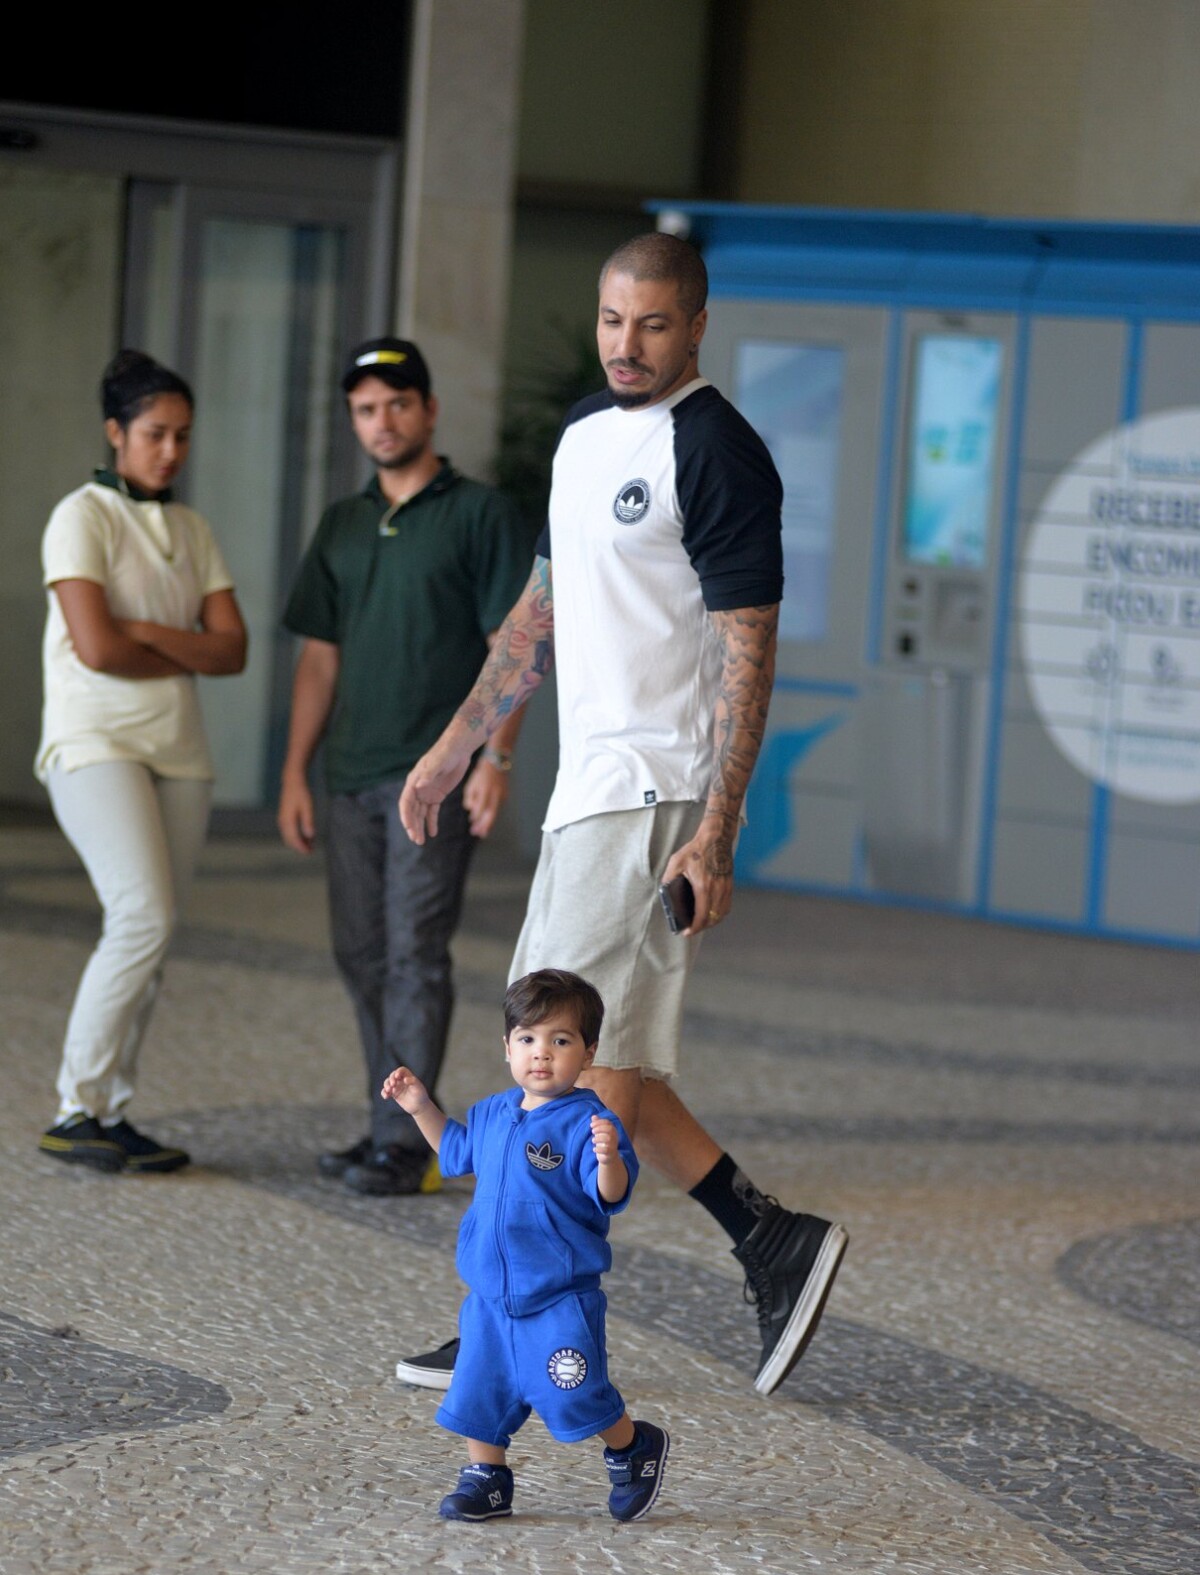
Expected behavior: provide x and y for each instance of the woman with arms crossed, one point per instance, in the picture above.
(139, 602)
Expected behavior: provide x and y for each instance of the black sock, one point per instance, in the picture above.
(731, 1198)
(630, 1446)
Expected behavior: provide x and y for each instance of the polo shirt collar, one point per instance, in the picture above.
(108, 478)
(445, 478)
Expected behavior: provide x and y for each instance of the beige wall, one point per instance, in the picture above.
(1140, 142)
(1072, 108)
(611, 113)
(612, 93)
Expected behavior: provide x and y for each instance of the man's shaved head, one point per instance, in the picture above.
(657, 258)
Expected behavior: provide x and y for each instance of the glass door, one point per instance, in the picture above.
(254, 299)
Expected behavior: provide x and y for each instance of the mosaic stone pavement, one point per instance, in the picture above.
(195, 1371)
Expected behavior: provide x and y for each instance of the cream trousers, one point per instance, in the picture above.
(139, 836)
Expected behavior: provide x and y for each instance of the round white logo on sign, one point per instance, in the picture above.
(1109, 609)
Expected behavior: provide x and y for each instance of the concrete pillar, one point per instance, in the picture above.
(456, 237)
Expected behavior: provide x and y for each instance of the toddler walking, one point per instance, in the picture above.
(551, 1164)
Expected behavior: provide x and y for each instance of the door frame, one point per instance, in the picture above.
(364, 171)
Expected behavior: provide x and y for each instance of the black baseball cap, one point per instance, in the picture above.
(396, 362)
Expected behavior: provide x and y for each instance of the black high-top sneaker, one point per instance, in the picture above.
(790, 1261)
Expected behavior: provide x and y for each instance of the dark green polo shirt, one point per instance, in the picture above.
(409, 598)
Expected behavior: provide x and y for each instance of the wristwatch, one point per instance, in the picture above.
(501, 759)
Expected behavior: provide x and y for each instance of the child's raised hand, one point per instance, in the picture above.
(604, 1140)
(406, 1089)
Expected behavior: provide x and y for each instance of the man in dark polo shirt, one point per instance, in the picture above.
(396, 600)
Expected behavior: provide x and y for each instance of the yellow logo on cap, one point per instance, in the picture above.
(392, 357)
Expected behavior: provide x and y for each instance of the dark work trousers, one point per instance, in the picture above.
(393, 907)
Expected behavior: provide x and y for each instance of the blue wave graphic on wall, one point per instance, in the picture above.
(768, 802)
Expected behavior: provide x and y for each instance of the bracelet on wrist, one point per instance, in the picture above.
(500, 759)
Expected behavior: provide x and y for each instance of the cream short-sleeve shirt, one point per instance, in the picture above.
(155, 561)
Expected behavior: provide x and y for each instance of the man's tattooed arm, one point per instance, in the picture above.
(748, 638)
(521, 655)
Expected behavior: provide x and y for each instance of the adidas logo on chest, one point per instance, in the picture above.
(541, 1157)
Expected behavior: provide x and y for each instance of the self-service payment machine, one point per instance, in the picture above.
(988, 692)
(928, 683)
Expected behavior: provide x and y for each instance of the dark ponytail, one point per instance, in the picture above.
(131, 381)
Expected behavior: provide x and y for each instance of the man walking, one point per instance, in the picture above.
(396, 599)
(660, 613)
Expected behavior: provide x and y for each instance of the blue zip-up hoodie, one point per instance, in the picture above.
(538, 1228)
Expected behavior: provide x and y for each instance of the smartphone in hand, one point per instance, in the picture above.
(679, 903)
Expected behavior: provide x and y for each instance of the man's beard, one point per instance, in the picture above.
(401, 459)
(634, 399)
(627, 401)
(628, 398)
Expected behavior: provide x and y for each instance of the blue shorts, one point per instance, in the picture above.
(552, 1362)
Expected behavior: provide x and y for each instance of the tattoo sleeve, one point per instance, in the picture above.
(747, 639)
(521, 655)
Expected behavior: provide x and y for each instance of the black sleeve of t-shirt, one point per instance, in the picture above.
(731, 499)
(585, 407)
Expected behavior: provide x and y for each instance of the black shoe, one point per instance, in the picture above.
(336, 1164)
(636, 1475)
(790, 1261)
(81, 1140)
(434, 1370)
(388, 1171)
(142, 1155)
(483, 1493)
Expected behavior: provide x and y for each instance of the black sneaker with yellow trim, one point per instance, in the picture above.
(140, 1154)
(81, 1140)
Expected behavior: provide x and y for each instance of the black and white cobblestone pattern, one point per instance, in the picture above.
(1033, 1411)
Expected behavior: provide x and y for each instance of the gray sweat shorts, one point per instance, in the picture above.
(594, 908)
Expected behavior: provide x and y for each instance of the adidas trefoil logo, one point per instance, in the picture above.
(541, 1158)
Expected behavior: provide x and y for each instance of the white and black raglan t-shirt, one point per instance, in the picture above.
(658, 516)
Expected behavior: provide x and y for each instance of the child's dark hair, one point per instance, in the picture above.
(532, 999)
(131, 381)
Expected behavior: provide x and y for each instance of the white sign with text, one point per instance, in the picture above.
(1109, 609)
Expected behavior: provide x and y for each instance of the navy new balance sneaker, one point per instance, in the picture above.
(636, 1474)
(790, 1261)
(483, 1493)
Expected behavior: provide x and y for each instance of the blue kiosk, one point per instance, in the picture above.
(989, 434)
